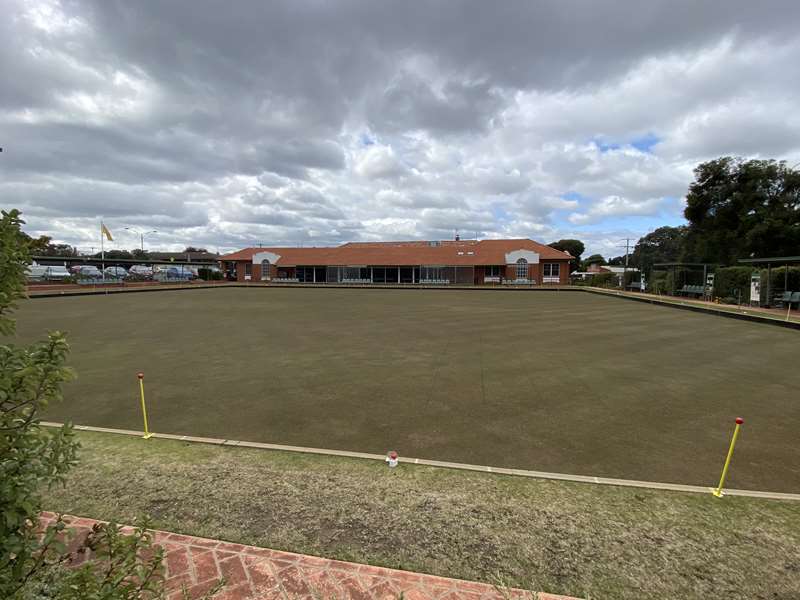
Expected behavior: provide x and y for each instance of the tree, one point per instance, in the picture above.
(738, 209)
(574, 247)
(33, 457)
(193, 249)
(64, 250)
(665, 244)
(112, 254)
(594, 259)
(618, 261)
(37, 246)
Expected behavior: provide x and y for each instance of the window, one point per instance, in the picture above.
(552, 269)
(356, 273)
(492, 271)
(248, 270)
(522, 269)
(264, 270)
(432, 273)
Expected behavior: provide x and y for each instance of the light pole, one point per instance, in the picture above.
(141, 235)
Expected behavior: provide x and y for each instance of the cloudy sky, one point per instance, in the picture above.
(227, 124)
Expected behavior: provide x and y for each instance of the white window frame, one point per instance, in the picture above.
(522, 268)
(551, 272)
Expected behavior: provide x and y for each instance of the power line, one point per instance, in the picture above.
(627, 247)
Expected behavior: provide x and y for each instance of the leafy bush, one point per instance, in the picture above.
(124, 567)
(657, 283)
(606, 280)
(209, 274)
(729, 280)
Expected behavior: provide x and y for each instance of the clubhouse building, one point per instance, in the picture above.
(459, 262)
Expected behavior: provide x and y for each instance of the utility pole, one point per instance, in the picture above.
(141, 235)
(627, 247)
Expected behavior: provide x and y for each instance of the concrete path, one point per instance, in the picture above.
(197, 565)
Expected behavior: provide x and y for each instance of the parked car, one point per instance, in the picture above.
(57, 273)
(182, 272)
(77, 269)
(141, 272)
(36, 272)
(89, 272)
(172, 273)
(116, 272)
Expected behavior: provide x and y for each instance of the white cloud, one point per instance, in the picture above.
(379, 162)
(616, 206)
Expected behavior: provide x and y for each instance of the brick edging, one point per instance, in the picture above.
(254, 572)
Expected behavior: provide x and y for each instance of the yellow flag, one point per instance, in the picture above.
(104, 231)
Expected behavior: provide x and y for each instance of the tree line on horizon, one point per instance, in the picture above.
(735, 209)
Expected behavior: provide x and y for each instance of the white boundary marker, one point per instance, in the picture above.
(654, 485)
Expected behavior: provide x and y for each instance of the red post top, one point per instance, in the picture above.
(739, 420)
(392, 454)
(140, 375)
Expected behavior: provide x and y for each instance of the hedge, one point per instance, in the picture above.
(732, 284)
(208, 274)
(605, 280)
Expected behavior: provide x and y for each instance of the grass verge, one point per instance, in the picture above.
(560, 537)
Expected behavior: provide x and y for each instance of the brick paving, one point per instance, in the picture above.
(197, 564)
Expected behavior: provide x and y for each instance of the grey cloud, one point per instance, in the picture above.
(411, 103)
(256, 120)
(91, 199)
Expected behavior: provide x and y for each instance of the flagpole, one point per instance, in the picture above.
(102, 252)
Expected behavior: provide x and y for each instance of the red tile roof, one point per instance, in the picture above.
(464, 252)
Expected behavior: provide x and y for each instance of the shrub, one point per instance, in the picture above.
(733, 282)
(209, 274)
(657, 283)
(34, 457)
(606, 280)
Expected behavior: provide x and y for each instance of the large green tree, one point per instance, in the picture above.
(44, 246)
(738, 209)
(665, 244)
(594, 259)
(574, 247)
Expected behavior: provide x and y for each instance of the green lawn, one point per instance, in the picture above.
(578, 539)
(556, 381)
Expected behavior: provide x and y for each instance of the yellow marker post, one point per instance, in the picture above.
(147, 435)
(718, 490)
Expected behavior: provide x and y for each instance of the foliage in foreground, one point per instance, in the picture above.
(34, 564)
